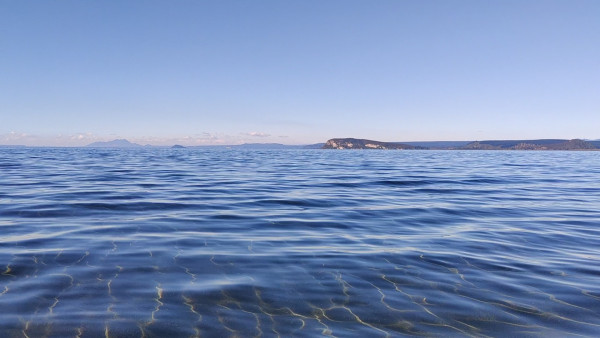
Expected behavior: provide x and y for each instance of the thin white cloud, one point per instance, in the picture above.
(257, 134)
(78, 139)
(83, 137)
(201, 139)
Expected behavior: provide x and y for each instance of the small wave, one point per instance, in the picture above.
(10, 165)
(300, 224)
(301, 203)
(136, 206)
(483, 181)
(407, 183)
(441, 191)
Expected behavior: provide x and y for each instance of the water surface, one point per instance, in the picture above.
(187, 242)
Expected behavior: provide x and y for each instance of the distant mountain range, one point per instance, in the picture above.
(123, 143)
(354, 143)
(547, 144)
(543, 144)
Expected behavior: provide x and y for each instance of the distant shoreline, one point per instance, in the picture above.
(363, 144)
(539, 144)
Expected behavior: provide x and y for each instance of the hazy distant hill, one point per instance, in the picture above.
(596, 143)
(545, 144)
(262, 146)
(276, 146)
(439, 144)
(12, 146)
(354, 143)
(313, 146)
(120, 143)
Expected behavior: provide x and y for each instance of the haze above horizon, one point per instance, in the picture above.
(297, 72)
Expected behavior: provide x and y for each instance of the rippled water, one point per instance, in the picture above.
(185, 242)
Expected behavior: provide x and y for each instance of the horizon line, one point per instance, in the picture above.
(134, 144)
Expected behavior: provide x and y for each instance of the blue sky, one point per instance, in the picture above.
(296, 72)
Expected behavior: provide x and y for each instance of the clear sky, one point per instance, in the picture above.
(297, 72)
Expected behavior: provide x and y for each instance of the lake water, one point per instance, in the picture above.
(218, 242)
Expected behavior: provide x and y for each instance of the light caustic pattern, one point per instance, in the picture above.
(196, 295)
(197, 243)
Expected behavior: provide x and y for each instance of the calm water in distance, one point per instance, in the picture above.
(218, 242)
